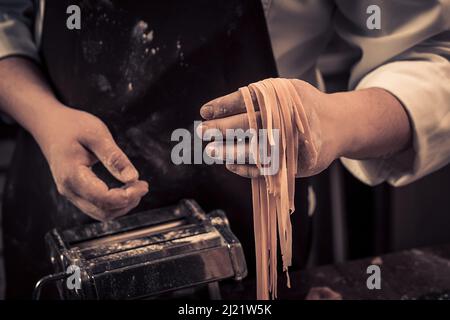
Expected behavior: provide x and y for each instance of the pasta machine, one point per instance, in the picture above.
(146, 255)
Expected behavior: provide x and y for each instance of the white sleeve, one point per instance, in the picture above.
(16, 25)
(410, 59)
(421, 81)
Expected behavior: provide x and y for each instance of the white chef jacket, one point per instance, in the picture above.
(408, 56)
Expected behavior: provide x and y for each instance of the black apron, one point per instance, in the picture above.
(144, 68)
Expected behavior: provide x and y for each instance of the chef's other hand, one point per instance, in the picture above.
(73, 141)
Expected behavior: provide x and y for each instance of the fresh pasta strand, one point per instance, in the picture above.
(273, 195)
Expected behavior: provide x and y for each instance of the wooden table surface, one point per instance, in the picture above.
(413, 274)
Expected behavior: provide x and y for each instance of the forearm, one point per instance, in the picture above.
(370, 123)
(25, 94)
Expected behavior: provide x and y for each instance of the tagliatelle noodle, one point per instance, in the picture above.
(273, 195)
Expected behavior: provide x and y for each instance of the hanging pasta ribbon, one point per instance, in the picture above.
(281, 111)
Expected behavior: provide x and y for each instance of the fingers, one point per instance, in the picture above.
(84, 183)
(235, 122)
(244, 170)
(92, 196)
(111, 156)
(229, 112)
(96, 212)
(225, 106)
(239, 153)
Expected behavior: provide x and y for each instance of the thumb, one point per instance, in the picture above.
(112, 157)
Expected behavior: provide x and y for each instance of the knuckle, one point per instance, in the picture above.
(61, 189)
(62, 184)
(92, 119)
(220, 125)
(115, 159)
(220, 110)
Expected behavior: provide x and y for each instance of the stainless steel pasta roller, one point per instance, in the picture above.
(145, 255)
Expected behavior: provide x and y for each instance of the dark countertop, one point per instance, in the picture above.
(413, 274)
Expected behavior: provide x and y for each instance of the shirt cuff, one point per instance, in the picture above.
(422, 88)
(16, 39)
